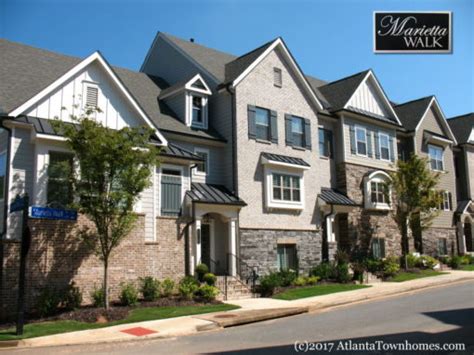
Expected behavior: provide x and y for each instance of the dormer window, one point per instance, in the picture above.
(197, 110)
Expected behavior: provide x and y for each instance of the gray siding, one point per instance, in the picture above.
(447, 180)
(178, 104)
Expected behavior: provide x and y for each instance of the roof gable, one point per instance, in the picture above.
(411, 113)
(434, 105)
(463, 128)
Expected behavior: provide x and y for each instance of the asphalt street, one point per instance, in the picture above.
(433, 317)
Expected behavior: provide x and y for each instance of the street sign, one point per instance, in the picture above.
(53, 213)
(17, 204)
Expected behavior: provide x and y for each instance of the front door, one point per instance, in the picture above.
(206, 245)
(468, 236)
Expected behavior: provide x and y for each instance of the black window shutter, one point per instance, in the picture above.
(369, 143)
(288, 133)
(274, 126)
(450, 201)
(353, 138)
(377, 148)
(307, 133)
(251, 119)
(392, 152)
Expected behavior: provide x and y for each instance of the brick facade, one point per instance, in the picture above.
(58, 256)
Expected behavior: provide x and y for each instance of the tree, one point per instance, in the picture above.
(415, 198)
(113, 168)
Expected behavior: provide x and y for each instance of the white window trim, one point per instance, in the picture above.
(207, 152)
(442, 156)
(2, 199)
(189, 110)
(280, 204)
(388, 147)
(446, 195)
(183, 188)
(380, 177)
(356, 128)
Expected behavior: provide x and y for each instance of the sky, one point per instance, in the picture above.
(330, 39)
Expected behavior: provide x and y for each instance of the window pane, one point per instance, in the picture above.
(287, 194)
(297, 125)
(361, 148)
(286, 181)
(361, 135)
(296, 182)
(385, 153)
(59, 191)
(276, 180)
(202, 167)
(261, 116)
(298, 139)
(197, 109)
(322, 143)
(276, 193)
(296, 195)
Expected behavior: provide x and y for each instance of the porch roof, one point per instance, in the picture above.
(285, 159)
(462, 206)
(333, 197)
(213, 194)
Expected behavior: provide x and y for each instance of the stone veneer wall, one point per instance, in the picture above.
(359, 226)
(58, 256)
(430, 237)
(258, 248)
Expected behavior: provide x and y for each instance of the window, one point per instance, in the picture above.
(262, 123)
(286, 257)
(378, 248)
(384, 146)
(59, 179)
(3, 173)
(286, 188)
(197, 110)
(202, 167)
(170, 192)
(325, 143)
(92, 96)
(277, 77)
(436, 157)
(297, 131)
(442, 246)
(378, 192)
(446, 202)
(361, 140)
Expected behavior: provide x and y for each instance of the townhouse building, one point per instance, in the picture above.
(262, 167)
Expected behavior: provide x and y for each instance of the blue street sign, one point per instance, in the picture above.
(53, 213)
(17, 204)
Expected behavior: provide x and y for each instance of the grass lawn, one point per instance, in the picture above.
(137, 315)
(407, 276)
(469, 267)
(318, 290)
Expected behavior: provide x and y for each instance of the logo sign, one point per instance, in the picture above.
(412, 32)
(17, 204)
(53, 213)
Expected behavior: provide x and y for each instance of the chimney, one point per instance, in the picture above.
(191, 40)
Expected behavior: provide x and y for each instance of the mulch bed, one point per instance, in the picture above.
(90, 314)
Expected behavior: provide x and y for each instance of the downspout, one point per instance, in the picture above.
(3, 233)
(234, 142)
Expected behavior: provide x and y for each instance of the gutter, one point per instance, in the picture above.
(235, 186)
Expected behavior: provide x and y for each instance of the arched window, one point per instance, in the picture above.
(377, 191)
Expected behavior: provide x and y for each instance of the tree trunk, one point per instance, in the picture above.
(106, 283)
(405, 242)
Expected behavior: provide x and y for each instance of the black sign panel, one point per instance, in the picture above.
(412, 32)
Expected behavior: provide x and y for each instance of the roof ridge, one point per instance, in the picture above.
(346, 77)
(461, 116)
(254, 50)
(415, 100)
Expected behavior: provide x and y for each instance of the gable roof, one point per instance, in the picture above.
(26, 70)
(410, 113)
(462, 127)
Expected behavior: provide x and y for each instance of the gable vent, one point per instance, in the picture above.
(92, 95)
(277, 79)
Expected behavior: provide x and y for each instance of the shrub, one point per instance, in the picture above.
(342, 273)
(412, 261)
(342, 257)
(426, 262)
(286, 277)
(268, 283)
(48, 302)
(167, 287)
(375, 266)
(128, 294)
(210, 279)
(150, 288)
(300, 281)
(72, 297)
(187, 286)
(97, 296)
(201, 270)
(312, 280)
(465, 260)
(390, 266)
(455, 262)
(206, 293)
(325, 271)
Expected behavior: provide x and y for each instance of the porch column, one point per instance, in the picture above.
(197, 239)
(331, 237)
(232, 247)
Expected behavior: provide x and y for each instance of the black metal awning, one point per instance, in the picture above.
(334, 197)
(213, 194)
(285, 159)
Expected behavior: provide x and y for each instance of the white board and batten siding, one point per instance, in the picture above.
(69, 99)
(366, 98)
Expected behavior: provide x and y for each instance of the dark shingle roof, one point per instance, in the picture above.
(462, 127)
(334, 197)
(236, 67)
(214, 194)
(410, 113)
(25, 71)
(316, 84)
(285, 159)
(337, 93)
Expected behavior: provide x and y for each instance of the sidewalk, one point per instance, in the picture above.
(252, 310)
